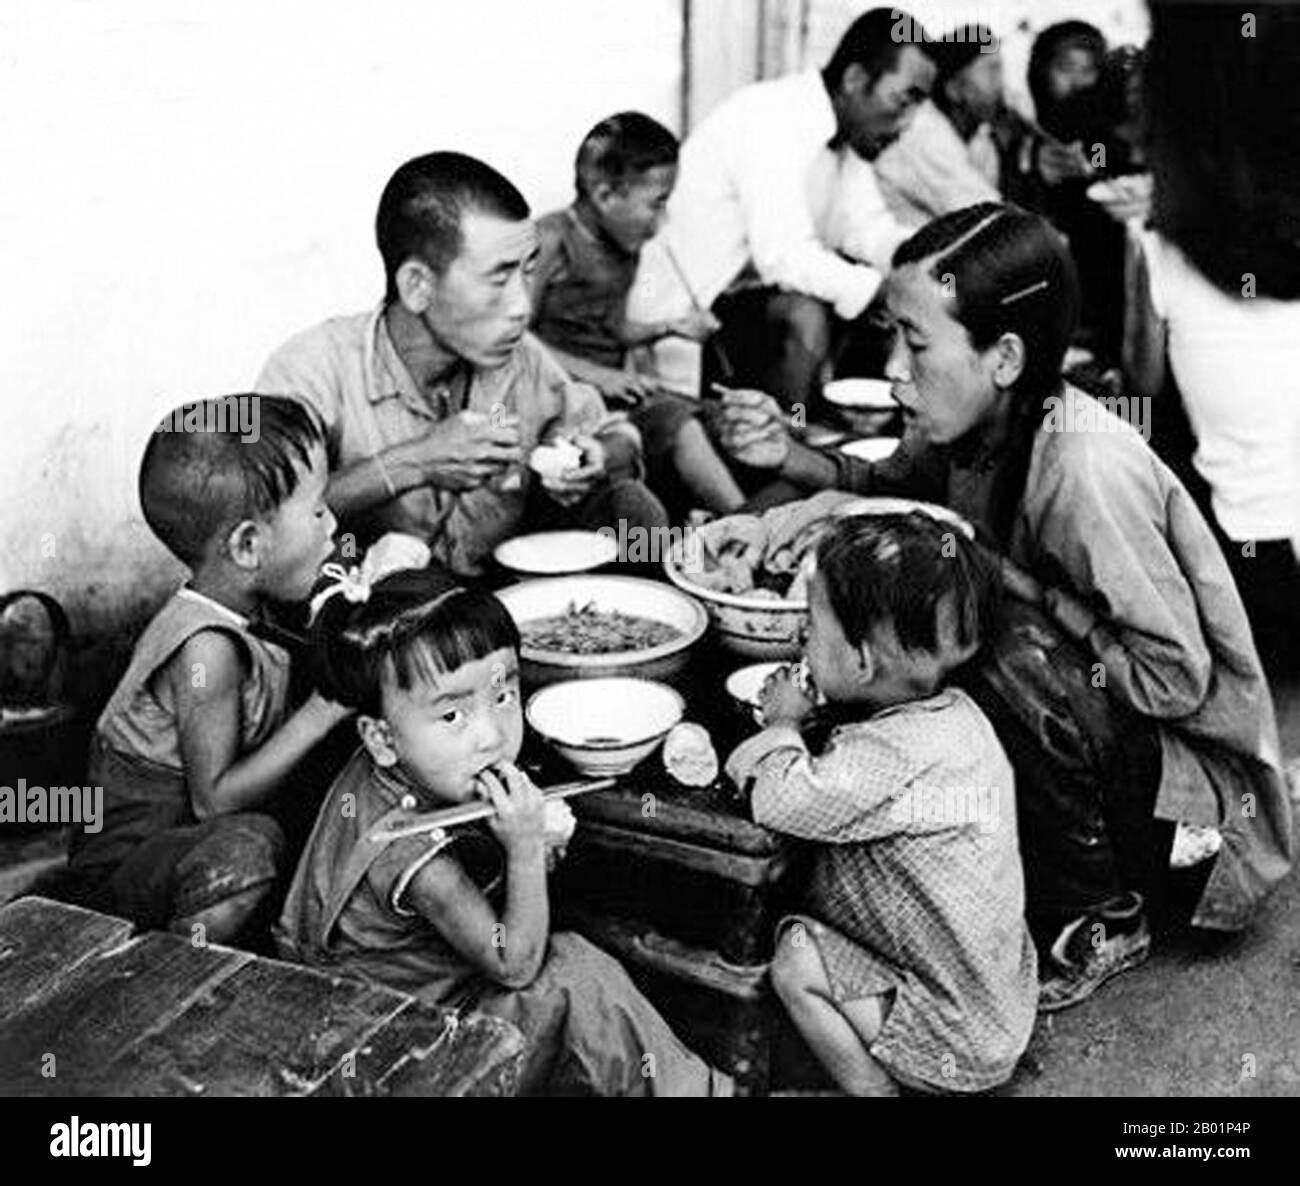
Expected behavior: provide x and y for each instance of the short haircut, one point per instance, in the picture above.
(422, 210)
(618, 150)
(874, 42)
(196, 485)
(958, 49)
(415, 625)
(898, 570)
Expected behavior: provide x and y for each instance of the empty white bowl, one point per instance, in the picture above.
(555, 553)
(872, 448)
(604, 727)
(866, 394)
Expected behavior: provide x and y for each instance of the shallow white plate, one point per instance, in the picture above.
(555, 553)
(860, 393)
(871, 449)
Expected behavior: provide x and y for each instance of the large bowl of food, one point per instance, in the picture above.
(586, 627)
(604, 727)
(751, 572)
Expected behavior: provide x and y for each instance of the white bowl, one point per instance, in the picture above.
(744, 685)
(872, 448)
(754, 627)
(860, 393)
(555, 553)
(604, 727)
(546, 598)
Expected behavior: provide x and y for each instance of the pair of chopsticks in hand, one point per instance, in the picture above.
(468, 813)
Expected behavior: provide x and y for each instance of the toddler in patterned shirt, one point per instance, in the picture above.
(913, 964)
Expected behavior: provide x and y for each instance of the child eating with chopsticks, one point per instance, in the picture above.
(590, 251)
(912, 964)
(459, 916)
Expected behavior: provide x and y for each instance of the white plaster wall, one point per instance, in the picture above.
(187, 182)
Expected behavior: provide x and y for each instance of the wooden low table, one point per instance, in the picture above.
(88, 1008)
(683, 887)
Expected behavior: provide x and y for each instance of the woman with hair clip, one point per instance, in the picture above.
(1124, 683)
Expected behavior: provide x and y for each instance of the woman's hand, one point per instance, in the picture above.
(753, 428)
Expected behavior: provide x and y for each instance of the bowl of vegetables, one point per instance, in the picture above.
(588, 627)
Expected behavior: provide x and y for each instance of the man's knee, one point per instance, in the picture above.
(801, 321)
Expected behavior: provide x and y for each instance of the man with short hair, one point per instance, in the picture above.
(777, 221)
(434, 401)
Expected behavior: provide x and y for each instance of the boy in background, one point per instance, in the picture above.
(626, 170)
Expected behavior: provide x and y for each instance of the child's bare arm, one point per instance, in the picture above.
(840, 797)
(509, 949)
(619, 386)
(206, 678)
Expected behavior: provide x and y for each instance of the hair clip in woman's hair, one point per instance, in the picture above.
(392, 553)
(1024, 292)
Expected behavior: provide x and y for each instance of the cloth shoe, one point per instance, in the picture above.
(1082, 960)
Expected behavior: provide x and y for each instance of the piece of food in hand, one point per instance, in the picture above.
(689, 755)
(555, 460)
(558, 823)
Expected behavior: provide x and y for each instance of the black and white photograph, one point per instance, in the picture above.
(650, 548)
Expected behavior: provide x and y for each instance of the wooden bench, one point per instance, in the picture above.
(89, 1008)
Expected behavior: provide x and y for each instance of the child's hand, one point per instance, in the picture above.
(330, 712)
(626, 389)
(697, 325)
(782, 701)
(520, 821)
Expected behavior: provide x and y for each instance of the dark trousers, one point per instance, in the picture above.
(784, 342)
(1087, 772)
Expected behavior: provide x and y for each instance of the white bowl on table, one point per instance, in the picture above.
(753, 627)
(546, 598)
(871, 448)
(866, 404)
(556, 553)
(604, 727)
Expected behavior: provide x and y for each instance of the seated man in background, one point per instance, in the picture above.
(948, 157)
(434, 401)
(777, 221)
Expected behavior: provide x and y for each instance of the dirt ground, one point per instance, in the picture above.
(1209, 1018)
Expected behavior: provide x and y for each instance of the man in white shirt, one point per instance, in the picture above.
(777, 221)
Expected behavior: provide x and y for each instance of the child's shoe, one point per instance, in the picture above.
(1079, 964)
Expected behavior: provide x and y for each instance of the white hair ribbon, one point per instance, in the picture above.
(394, 552)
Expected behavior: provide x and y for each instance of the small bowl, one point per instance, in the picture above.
(744, 685)
(861, 394)
(545, 598)
(556, 553)
(872, 448)
(604, 727)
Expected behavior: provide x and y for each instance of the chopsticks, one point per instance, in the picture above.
(450, 817)
(724, 363)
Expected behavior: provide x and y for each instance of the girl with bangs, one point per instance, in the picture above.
(461, 918)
